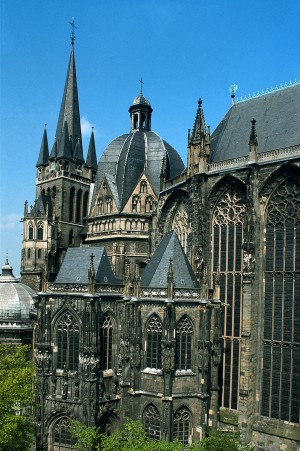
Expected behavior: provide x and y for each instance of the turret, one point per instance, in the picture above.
(198, 144)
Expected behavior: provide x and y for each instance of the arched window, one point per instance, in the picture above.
(180, 225)
(71, 204)
(106, 337)
(182, 425)
(227, 239)
(61, 436)
(100, 206)
(85, 206)
(135, 203)
(67, 342)
(28, 253)
(40, 231)
(149, 204)
(53, 192)
(30, 231)
(104, 188)
(143, 186)
(78, 206)
(39, 253)
(151, 421)
(109, 205)
(184, 335)
(154, 336)
(281, 337)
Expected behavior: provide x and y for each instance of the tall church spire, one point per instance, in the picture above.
(69, 110)
(44, 152)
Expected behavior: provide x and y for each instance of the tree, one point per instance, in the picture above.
(87, 438)
(16, 398)
(220, 441)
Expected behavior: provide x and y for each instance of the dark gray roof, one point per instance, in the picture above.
(69, 110)
(127, 156)
(91, 159)
(44, 151)
(75, 266)
(277, 116)
(155, 273)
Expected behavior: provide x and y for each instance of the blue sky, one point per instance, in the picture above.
(183, 49)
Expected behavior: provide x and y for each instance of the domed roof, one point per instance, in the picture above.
(130, 155)
(16, 301)
(140, 100)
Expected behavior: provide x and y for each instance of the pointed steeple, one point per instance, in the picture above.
(78, 153)
(69, 110)
(64, 148)
(91, 159)
(253, 142)
(44, 151)
(198, 144)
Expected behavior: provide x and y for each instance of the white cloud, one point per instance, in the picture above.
(10, 221)
(86, 126)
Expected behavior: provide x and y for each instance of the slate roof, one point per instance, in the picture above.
(75, 266)
(126, 157)
(277, 116)
(154, 275)
(44, 151)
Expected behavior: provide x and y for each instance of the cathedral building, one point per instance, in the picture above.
(170, 294)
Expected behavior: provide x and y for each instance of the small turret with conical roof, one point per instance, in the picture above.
(44, 151)
(198, 144)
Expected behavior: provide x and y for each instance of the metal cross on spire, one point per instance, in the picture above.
(141, 81)
(72, 23)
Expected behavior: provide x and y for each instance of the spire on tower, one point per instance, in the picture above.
(91, 159)
(72, 23)
(44, 151)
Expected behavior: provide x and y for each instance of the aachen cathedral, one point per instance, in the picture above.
(165, 293)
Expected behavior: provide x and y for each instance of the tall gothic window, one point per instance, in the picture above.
(79, 206)
(61, 436)
(154, 336)
(40, 231)
(152, 422)
(143, 186)
(281, 359)
(184, 334)
(30, 231)
(106, 342)
(68, 342)
(180, 226)
(182, 425)
(71, 204)
(227, 239)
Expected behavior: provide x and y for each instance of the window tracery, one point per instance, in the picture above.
(152, 422)
(180, 226)
(227, 260)
(281, 356)
(40, 231)
(61, 436)
(184, 335)
(67, 342)
(182, 425)
(30, 231)
(154, 337)
(107, 341)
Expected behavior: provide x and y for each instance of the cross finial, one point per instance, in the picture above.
(92, 258)
(141, 81)
(72, 23)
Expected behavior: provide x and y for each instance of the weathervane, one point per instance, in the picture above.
(232, 90)
(141, 81)
(72, 23)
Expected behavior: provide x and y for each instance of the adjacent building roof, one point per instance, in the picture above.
(155, 273)
(76, 264)
(16, 298)
(277, 124)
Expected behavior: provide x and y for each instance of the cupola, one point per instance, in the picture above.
(140, 113)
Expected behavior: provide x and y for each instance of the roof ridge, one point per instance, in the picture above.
(267, 91)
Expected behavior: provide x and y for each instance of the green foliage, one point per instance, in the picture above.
(87, 437)
(16, 398)
(132, 437)
(220, 441)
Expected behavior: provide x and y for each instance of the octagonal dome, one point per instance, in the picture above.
(130, 155)
(16, 299)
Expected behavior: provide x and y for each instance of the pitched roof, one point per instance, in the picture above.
(75, 266)
(277, 124)
(44, 151)
(155, 273)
